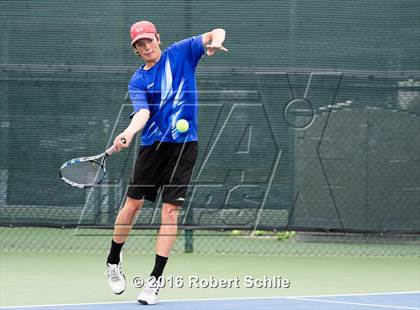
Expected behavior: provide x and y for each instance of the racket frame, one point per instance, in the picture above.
(103, 156)
(70, 162)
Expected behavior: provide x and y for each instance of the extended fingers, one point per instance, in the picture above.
(211, 49)
(218, 47)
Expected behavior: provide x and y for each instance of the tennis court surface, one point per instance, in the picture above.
(403, 300)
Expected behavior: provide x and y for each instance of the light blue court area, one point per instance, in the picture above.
(405, 300)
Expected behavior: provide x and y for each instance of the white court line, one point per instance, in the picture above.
(222, 298)
(307, 86)
(352, 303)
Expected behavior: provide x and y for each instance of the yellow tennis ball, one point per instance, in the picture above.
(182, 125)
(235, 232)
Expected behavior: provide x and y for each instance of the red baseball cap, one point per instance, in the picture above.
(142, 29)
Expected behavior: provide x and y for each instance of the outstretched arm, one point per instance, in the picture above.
(137, 123)
(213, 40)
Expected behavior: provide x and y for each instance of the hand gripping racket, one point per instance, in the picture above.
(85, 172)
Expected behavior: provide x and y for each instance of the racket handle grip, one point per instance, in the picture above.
(113, 149)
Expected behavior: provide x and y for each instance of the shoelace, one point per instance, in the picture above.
(114, 272)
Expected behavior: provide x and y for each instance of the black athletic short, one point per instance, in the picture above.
(163, 166)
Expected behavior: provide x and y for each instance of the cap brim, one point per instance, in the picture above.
(143, 36)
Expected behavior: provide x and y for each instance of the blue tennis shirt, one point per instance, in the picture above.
(169, 91)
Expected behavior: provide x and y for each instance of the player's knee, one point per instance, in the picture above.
(170, 212)
(133, 205)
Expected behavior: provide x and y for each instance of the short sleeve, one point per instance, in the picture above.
(193, 48)
(138, 98)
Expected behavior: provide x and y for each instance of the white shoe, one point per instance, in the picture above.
(150, 293)
(115, 276)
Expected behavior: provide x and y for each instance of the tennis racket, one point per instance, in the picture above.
(85, 172)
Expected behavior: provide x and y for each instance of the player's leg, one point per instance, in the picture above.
(168, 229)
(176, 178)
(176, 182)
(166, 237)
(123, 225)
(164, 243)
(142, 186)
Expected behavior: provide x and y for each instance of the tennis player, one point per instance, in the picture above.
(163, 91)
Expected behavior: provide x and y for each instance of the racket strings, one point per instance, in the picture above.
(84, 172)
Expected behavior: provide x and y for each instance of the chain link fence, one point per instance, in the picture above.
(235, 242)
(332, 157)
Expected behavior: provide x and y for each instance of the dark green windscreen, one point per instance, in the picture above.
(310, 121)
